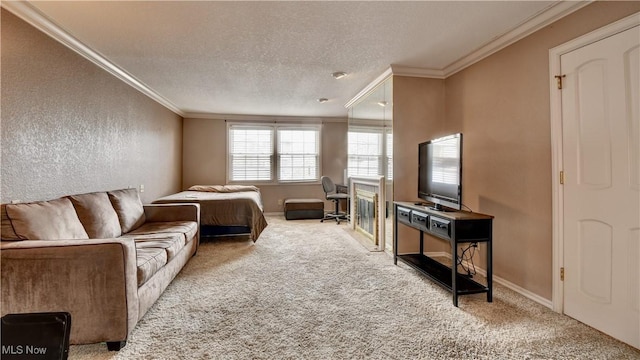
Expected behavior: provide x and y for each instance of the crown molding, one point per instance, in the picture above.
(399, 70)
(526, 28)
(395, 70)
(372, 85)
(264, 118)
(536, 22)
(30, 14)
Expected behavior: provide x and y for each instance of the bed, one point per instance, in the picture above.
(224, 209)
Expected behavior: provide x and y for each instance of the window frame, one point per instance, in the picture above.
(385, 146)
(279, 153)
(379, 156)
(275, 154)
(229, 162)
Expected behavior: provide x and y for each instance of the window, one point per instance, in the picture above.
(389, 154)
(298, 154)
(365, 150)
(250, 153)
(370, 152)
(273, 153)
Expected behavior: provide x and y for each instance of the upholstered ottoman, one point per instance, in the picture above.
(303, 209)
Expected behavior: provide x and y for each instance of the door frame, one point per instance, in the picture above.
(555, 96)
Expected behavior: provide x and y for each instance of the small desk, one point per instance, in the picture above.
(456, 227)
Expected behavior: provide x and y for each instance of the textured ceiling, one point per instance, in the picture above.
(276, 58)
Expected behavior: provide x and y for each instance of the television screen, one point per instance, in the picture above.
(440, 172)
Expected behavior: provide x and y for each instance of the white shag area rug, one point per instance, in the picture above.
(308, 290)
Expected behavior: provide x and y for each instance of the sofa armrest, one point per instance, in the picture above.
(94, 280)
(172, 212)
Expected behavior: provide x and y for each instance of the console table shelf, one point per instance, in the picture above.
(441, 273)
(456, 227)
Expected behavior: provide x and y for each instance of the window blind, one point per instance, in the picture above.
(250, 153)
(298, 152)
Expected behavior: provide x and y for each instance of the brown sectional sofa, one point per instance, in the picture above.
(103, 257)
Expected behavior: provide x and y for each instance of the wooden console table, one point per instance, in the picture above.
(457, 227)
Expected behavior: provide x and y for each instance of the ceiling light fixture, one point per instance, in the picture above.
(323, 100)
(339, 74)
(382, 103)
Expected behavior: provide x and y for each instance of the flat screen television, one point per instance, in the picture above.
(440, 172)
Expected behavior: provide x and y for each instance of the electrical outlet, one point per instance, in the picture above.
(141, 188)
(279, 201)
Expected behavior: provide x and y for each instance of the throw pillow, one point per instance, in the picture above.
(129, 208)
(97, 215)
(46, 220)
(7, 232)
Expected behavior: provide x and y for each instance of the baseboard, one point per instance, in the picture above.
(506, 283)
(279, 213)
(524, 292)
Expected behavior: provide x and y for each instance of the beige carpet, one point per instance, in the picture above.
(308, 290)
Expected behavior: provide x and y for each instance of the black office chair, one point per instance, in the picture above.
(330, 193)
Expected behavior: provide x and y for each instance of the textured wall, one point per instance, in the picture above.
(205, 159)
(70, 127)
(501, 104)
(418, 115)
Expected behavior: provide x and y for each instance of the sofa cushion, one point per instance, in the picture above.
(97, 215)
(149, 261)
(46, 220)
(171, 243)
(129, 208)
(188, 228)
(7, 232)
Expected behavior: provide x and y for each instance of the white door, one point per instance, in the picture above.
(601, 151)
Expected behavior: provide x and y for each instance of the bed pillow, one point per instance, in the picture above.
(46, 220)
(129, 208)
(97, 215)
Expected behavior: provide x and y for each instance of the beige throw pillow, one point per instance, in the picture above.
(97, 215)
(46, 220)
(7, 232)
(129, 208)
